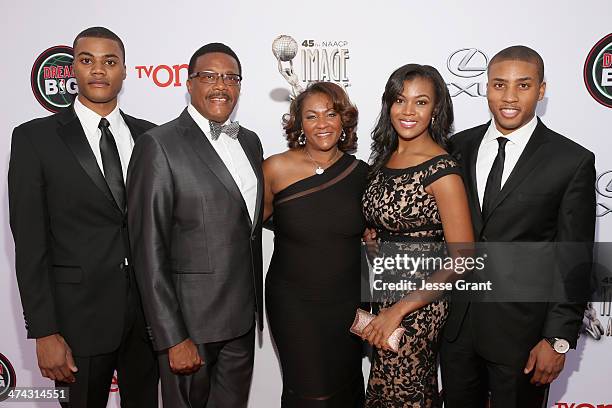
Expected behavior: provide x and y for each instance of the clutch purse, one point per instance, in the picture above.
(363, 318)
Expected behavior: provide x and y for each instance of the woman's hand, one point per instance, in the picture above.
(378, 331)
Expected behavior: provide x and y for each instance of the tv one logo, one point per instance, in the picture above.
(467, 64)
(581, 405)
(164, 76)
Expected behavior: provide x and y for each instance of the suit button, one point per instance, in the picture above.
(252, 238)
(484, 238)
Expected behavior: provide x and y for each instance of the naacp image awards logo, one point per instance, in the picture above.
(52, 78)
(7, 377)
(598, 71)
(318, 61)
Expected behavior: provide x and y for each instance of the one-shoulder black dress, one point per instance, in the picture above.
(313, 286)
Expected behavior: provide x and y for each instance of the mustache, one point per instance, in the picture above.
(219, 94)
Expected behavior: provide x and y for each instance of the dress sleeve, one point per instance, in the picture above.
(441, 167)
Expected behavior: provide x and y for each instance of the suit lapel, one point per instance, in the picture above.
(210, 158)
(135, 130)
(471, 156)
(71, 131)
(251, 152)
(527, 161)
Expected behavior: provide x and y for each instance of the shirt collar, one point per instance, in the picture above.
(518, 137)
(201, 121)
(90, 119)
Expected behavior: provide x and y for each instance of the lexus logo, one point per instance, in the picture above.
(604, 184)
(604, 189)
(467, 62)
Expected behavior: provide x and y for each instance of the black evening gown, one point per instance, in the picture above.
(313, 287)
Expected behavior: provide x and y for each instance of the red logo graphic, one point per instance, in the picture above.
(7, 377)
(163, 75)
(581, 405)
(114, 384)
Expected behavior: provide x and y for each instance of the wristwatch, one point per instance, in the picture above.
(561, 346)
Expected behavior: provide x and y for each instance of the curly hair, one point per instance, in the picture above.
(292, 122)
(384, 135)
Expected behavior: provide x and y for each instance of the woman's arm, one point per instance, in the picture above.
(451, 199)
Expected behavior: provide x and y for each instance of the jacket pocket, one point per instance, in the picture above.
(186, 271)
(67, 274)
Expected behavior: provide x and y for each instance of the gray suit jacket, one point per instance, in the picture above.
(197, 255)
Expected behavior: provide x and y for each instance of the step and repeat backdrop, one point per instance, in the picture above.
(355, 44)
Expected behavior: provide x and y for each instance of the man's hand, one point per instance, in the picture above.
(547, 363)
(369, 238)
(184, 358)
(55, 359)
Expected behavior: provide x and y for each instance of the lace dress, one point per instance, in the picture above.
(396, 204)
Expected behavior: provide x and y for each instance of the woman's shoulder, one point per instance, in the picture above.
(279, 161)
(443, 160)
(440, 166)
(360, 165)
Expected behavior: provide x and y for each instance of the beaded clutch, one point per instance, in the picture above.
(363, 318)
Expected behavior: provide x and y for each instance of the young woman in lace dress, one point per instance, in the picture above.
(415, 197)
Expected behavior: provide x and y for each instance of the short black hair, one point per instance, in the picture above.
(100, 32)
(520, 53)
(212, 47)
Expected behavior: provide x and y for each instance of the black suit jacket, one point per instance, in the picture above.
(70, 236)
(197, 254)
(548, 197)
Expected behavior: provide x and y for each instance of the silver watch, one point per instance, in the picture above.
(561, 346)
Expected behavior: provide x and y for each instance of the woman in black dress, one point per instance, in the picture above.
(416, 199)
(314, 190)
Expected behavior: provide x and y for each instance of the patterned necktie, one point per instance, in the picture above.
(111, 163)
(495, 176)
(230, 129)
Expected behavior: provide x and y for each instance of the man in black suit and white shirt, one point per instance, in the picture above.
(525, 183)
(195, 193)
(68, 216)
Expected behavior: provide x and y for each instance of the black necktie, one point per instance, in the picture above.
(495, 176)
(230, 129)
(111, 164)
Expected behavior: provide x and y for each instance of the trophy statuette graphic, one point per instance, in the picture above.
(285, 48)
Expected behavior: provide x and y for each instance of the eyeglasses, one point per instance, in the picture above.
(212, 78)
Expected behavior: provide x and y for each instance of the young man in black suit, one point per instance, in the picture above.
(68, 216)
(525, 183)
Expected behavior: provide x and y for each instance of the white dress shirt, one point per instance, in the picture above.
(235, 159)
(489, 146)
(121, 133)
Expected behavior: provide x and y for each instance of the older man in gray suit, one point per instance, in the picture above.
(195, 194)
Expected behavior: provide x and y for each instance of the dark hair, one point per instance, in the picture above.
(384, 136)
(520, 53)
(213, 47)
(342, 105)
(100, 32)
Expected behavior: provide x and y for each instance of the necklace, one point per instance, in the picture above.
(319, 169)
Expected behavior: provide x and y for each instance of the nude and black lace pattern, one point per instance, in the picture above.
(397, 205)
(396, 202)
